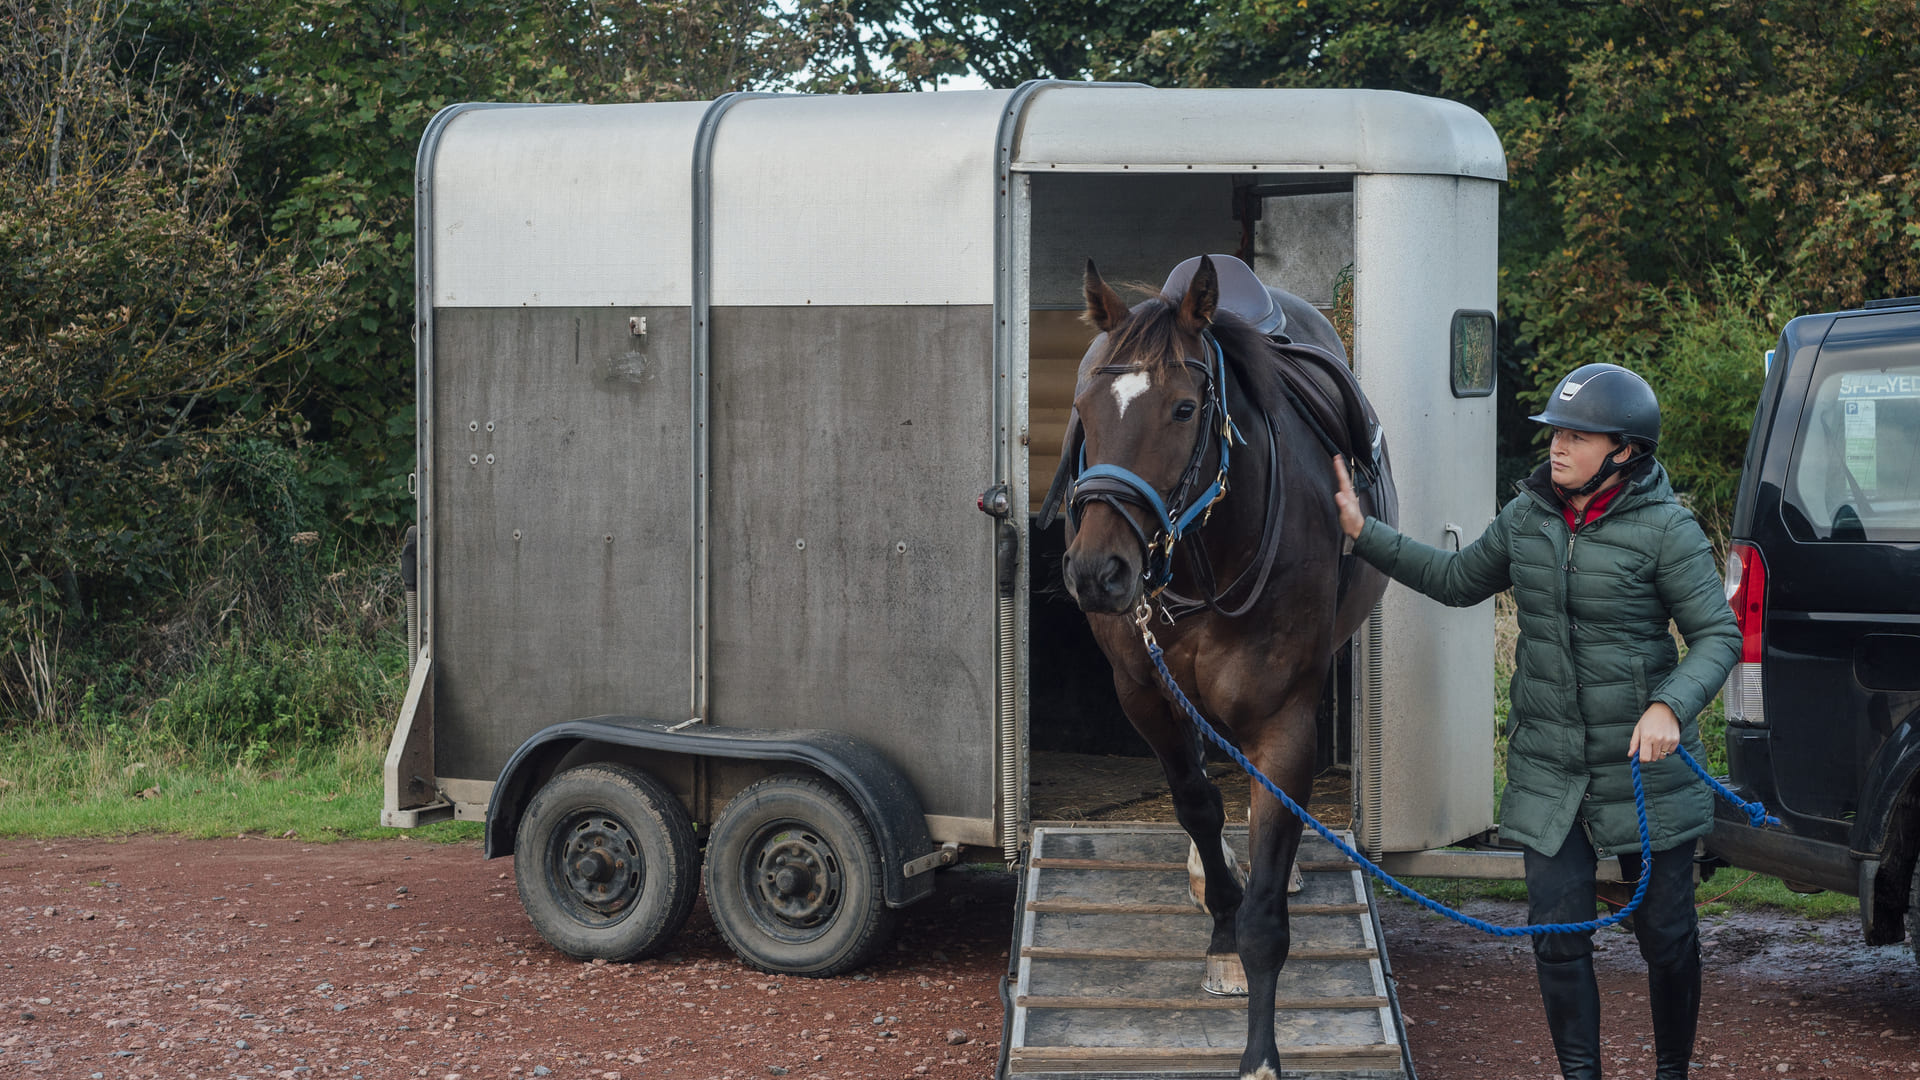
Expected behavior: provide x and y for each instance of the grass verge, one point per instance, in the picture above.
(316, 793)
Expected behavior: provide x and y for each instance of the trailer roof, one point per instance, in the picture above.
(872, 199)
(1333, 131)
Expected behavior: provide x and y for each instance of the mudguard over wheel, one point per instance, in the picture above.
(794, 879)
(606, 863)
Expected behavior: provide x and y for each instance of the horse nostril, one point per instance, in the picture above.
(1113, 576)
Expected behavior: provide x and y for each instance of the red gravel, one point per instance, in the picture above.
(273, 958)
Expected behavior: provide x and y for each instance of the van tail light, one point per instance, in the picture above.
(1747, 594)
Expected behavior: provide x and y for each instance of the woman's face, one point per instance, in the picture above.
(1576, 456)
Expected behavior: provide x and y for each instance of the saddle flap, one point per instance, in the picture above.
(1327, 387)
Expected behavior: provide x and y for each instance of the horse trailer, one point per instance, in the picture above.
(733, 418)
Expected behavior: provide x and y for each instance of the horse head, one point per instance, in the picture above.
(1151, 414)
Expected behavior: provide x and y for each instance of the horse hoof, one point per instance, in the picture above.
(1225, 976)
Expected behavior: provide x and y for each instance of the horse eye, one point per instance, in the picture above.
(1184, 411)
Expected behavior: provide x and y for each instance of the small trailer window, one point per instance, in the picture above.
(1472, 354)
(1856, 466)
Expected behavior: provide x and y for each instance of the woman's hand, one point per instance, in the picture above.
(1351, 519)
(1656, 735)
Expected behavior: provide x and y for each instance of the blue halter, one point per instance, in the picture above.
(1114, 485)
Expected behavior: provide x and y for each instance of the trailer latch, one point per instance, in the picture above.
(945, 855)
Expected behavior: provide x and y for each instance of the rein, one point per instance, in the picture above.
(1756, 813)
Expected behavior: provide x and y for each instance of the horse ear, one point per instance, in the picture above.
(1105, 309)
(1202, 298)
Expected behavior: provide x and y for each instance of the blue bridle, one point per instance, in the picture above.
(1115, 484)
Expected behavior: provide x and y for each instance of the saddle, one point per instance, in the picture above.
(1322, 384)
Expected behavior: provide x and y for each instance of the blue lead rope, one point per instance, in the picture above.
(1755, 813)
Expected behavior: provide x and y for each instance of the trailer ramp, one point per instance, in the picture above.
(1110, 955)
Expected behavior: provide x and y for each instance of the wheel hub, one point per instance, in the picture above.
(798, 878)
(599, 859)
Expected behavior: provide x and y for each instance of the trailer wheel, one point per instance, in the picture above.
(606, 863)
(794, 879)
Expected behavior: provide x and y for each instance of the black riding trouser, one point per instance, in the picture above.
(1560, 889)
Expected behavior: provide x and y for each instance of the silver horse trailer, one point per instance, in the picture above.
(733, 417)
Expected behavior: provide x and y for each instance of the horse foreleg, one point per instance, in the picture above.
(1263, 931)
(1199, 809)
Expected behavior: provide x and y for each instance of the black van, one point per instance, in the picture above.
(1823, 708)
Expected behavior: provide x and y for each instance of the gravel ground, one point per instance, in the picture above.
(273, 958)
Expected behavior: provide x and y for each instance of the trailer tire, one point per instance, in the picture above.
(606, 863)
(793, 878)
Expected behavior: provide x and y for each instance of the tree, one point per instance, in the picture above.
(138, 327)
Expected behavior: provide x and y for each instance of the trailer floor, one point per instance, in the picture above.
(1105, 787)
(1111, 955)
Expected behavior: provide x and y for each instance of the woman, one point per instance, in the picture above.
(1599, 555)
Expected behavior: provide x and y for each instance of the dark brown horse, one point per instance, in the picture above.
(1257, 588)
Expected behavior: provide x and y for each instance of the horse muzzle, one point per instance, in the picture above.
(1101, 582)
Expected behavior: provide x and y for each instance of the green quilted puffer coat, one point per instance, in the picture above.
(1594, 652)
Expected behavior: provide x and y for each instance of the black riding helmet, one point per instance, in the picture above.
(1606, 399)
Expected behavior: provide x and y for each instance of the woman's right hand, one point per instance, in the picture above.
(1351, 519)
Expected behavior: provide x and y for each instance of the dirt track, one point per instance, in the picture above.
(273, 958)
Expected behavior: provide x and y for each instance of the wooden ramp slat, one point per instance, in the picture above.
(1054, 952)
(1111, 956)
(1118, 1061)
(1206, 1001)
(1089, 907)
(1340, 866)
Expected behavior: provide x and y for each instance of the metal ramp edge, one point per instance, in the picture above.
(1109, 955)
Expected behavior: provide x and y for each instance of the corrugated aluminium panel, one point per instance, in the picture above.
(852, 576)
(878, 199)
(565, 206)
(1335, 131)
(1424, 248)
(560, 542)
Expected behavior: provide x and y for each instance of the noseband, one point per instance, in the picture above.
(1117, 486)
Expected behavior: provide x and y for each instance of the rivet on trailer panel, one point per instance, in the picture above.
(800, 544)
(900, 548)
(473, 459)
(489, 425)
(489, 459)
(473, 425)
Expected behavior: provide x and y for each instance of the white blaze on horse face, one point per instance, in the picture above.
(1130, 386)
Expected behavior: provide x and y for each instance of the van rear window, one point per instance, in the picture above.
(1855, 474)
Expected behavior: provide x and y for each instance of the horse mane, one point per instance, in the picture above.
(1149, 337)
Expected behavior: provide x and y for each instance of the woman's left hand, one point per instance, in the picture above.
(1656, 735)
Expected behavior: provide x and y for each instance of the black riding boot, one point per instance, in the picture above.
(1675, 995)
(1572, 998)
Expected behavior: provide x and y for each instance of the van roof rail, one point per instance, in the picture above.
(1892, 301)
